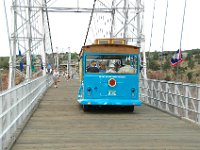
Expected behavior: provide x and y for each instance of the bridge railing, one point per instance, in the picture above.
(180, 99)
(16, 105)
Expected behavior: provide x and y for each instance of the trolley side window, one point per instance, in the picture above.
(111, 64)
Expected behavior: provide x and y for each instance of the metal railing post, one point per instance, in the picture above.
(159, 95)
(166, 97)
(176, 100)
(146, 90)
(1, 123)
(152, 97)
(186, 101)
(198, 99)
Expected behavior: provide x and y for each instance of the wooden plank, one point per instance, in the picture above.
(59, 124)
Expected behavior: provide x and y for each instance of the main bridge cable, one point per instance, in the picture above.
(91, 16)
(49, 27)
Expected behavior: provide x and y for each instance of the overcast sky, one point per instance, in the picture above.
(191, 30)
(69, 29)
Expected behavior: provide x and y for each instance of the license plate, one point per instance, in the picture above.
(112, 93)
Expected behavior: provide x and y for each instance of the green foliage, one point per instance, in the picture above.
(4, 62)
(166, 65)
(168, 78)
(189, 57)
(197, 56)
(194, 51)
(191, 63)
(187, 71)
(155, 55)
(74, 55)
(189, 75)
(182, 69)
(197, 75)
(154, 65)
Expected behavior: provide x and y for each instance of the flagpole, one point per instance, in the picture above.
(177, 72)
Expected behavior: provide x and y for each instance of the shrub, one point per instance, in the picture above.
(189, 75)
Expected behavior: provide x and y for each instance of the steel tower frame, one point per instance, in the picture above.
(29, 30)
(28, 35)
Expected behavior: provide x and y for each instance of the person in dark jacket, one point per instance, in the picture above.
(93, 67)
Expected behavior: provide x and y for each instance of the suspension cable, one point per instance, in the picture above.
(151, 30)
(183, 23)
(7, 28)
(177, 67)
(48, 26)
(164, 36)
(91, 16)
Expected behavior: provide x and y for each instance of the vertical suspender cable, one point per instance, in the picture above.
(164, 36)
(183, 23)
(181, 34)
(91, 16)
(7, 26)
(151, 30)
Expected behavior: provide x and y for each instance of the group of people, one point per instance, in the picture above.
(113, 68)
(56, 77)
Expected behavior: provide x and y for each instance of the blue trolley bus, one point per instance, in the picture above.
(109, 74)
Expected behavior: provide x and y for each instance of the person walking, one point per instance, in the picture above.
(55, 77)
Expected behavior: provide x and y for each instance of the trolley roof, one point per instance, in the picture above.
(110, 46)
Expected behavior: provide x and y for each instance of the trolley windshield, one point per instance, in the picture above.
(111, 64)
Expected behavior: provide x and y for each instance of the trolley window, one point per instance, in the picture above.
(112, 64)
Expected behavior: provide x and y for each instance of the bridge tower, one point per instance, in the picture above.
(28, 35)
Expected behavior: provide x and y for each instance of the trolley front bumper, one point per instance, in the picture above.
(122, 102)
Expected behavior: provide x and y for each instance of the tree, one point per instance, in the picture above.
(155, 56)
(74, 55)
(4, 61)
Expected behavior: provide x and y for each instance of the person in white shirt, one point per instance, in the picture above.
(55, 77)
(127, 69)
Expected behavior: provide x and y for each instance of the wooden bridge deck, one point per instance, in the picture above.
(59, 124)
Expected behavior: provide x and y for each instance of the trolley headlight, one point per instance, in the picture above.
(89, 90)
(132, 91)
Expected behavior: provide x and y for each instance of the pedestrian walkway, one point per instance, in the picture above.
(59, 123)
